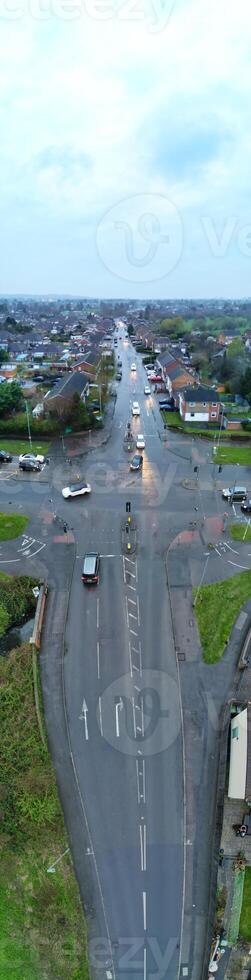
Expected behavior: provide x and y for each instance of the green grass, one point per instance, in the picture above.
(18, 446)
(217, 607)
(11, 525)
(234, 921)
(245, 921)
(240, 532)
(17, 601)
(233, 454)
(42, 931)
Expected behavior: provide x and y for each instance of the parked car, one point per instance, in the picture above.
(135, 408)
(147, 390)
(30, 466)
(154, 378)
(118, 376)
(90, 569)
(76, 489)
(136, 462)
(166, 407)
(5, 457)
(140, 444)
(234, 493)
(246, 507)
(133, 367)
(34, 457)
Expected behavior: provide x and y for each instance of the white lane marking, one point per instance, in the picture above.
(133, 587)
(100, 715)
(134, 718)
(218, 552)
(97, 613)
(98, 659)
(83, 717)
(234, 510)
(230, 549)
(144, 910)
(132, 601)
(142, 834)
(142, 716)
(133, 617)
(133, 632)
(144, 780)
(127, 614)
(118, 707)
(137, 772)
(130, 658)
(144, 962)
(235, 564)
(138, 610)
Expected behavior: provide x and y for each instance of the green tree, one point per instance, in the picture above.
(4, 356)
(130, 329)
(78, 415)
(11, 397)
(235, 348)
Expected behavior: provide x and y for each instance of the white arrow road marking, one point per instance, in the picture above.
(83, 717)
(118, 708)
(100, 715)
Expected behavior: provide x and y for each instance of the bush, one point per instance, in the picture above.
(17, 426)
(16, 601)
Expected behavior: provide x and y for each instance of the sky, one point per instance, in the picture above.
(125, 152)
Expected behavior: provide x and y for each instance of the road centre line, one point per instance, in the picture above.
(100, 715)
(130, 658)
(98, 659)
(133, 587)
(132, 616)
(97, 613)
(144, 962)
(133, 601)
(142, 834)
(134, 718)
(144, 910)
(137, 773)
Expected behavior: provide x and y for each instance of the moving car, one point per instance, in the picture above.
(119, 376)
(234, 493)
(133, 367)
(30, 466)
(246, 507)
(31, 456)
(137, 462)
(5, 457)
(147, 390)
(76, 489)
(90, 570)
(140, 444)
(135, 408)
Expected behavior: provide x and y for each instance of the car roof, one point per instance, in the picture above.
(78, 486)
(89, 563)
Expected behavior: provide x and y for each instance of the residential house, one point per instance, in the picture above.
(87, 362)
(8, 371)
(199, 404)
(173, 372)
(58, 401)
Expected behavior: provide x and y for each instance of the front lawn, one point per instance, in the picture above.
(42, 929)
(11, 525)
(217, 607)
(233, 454)
(18, 446)
(245, 921)
(240, 532)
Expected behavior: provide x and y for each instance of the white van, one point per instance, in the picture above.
(135, 408)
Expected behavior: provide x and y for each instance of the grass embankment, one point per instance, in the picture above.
(42, 931)
(11, 525)
(245, 921)
(17, 601)
(217, 607)
(18, 446)
(174, 421)
(233, 454)
(240, 532)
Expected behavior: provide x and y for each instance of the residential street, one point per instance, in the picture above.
(113, 704)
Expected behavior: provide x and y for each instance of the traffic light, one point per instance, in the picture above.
(219, 469)
(195, 469)
(128, 507)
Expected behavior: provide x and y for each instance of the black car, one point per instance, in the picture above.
(166, 407)
(137, 462)
(30, 466)
(246, 507)
(5, 457)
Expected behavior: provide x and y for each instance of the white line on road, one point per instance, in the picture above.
(97, 613)
(137, 773)
(138, 610)
(230, 549)
(142, 834)
(144, 780)
(134, 719)
(100, 715)
(83, 717)
(98, 660)
(118, 707)
(144, 910)
(133, 587)
(235, 564)
(130, 658)
(133, 601)
(133, 631)
(144, 962)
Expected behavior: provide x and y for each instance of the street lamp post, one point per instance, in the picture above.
(28, 423)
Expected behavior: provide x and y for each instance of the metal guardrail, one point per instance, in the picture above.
(35, 639)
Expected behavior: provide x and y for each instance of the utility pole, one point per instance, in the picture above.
(28, 424)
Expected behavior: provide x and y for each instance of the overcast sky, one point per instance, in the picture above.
(125, 163)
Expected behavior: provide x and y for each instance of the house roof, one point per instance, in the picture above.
(201, 393)
(70, 384)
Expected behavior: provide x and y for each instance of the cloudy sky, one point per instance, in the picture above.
(125, 155)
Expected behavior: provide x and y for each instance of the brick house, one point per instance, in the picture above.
(199, 404)
(87, 362)
(58, 401)
(174, 372)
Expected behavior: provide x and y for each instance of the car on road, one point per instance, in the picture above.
(133, 367)
(136, 462)
(135, 408)
(5, 457)
(140, 444)
(154, 378)
(34, 457)
(246, 507)
(90, 569)
(166, 407)
(147, 390)
(76, 489)
(30, 466)
(234, 493)
(119, 376)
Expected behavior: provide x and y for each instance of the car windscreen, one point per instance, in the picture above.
(89, 566)
(77, 486)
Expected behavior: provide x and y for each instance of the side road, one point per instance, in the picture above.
(52, 678)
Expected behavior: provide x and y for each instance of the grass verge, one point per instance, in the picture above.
(17, 601)
(217, 607)
(233, 454)
(245, 921)
(42, 932)
(11, 525)
(240, 532)
(18, 446)
(234, 922)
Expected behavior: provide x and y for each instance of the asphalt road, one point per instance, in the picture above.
(122, 687)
